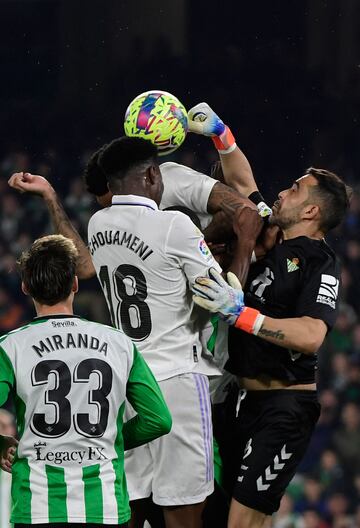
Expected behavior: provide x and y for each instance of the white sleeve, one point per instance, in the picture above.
(186, 246)
(185, 186)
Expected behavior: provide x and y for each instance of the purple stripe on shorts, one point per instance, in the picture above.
(204, 422)
(209, 425)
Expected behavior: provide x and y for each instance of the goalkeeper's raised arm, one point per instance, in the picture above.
(236, 167)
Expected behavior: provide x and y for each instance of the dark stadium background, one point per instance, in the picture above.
(285, 75)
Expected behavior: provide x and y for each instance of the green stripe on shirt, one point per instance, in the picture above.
(21, 492)
(93, 494)
(120, 488)
(212, 340)
(57, 494)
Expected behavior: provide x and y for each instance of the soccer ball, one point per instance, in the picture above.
(159, 117)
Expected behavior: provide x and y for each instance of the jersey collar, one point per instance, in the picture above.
(131, 199)
(56, 316)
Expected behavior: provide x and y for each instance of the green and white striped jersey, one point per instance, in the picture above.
(71, 378)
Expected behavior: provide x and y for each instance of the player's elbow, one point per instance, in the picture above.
(313, 336)
(311, 346)
(165, 423)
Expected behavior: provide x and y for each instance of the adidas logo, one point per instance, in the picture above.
(292, 265)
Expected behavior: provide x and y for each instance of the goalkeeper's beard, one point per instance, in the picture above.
(285, 220)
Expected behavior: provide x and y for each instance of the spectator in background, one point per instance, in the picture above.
(12, 314)
(347, 437)
(337, 507)
(285, 516)
(312, 519)
(330, 472)
(351, 389)
(313, 497)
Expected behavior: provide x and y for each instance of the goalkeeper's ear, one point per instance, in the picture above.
(233, 281)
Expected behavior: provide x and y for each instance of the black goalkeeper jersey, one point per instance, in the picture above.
(299, 277)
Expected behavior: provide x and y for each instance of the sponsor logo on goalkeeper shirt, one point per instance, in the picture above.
(328, 291)
(80, 456)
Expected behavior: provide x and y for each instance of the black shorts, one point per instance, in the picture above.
(273, 431)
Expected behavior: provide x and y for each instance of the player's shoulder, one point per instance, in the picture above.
(171, 170)
(317, 255)
(99, 215)
(179, 220)
(19, 334)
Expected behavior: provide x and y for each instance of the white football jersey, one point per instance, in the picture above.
(187, 187)
(146, 261)
(70, 377)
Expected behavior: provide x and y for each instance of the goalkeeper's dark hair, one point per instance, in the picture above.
(94, 177)
(47, 269)
(333, 197)
(126, 154)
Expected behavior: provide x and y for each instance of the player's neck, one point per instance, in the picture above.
(297, 230)
(61, 308)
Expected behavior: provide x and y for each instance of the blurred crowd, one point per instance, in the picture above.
(326, 491)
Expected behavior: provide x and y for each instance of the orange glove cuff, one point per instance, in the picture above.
(226, 142)
(250, 320)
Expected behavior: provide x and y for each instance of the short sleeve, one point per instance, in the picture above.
(185, 186)
(186, 245)
(320, 292)
(7, 377)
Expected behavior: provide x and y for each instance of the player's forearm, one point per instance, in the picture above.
(153, 417)
(237, 172)
(62, 224)
(241, 261)
(145, 428)
(301, 334)
(225, 198)
(220, 228)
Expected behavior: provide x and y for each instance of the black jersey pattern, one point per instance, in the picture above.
(299, 277)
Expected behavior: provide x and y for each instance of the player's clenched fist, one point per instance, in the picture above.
(7, 452)
(203, 120)
(33, 183)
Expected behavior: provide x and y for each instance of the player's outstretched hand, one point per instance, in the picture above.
(33, 183)
(216, 295)
(203, 120)
(8, 446)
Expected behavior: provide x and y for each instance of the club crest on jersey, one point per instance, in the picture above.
(204, 249)
(292, 265)
(328, 291)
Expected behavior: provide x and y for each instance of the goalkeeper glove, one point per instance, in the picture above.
(227, 299)
(203, 120)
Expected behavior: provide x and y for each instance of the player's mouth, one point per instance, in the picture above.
(276, 205)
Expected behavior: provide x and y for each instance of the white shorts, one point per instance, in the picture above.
(177, 468)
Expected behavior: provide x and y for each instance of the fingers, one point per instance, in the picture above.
(195, 127)
(20, 181)
(199, 112)
(233, 281)
(205, 303)
(5, 465)
(216, 276)
(196, 117)
(205, 291)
